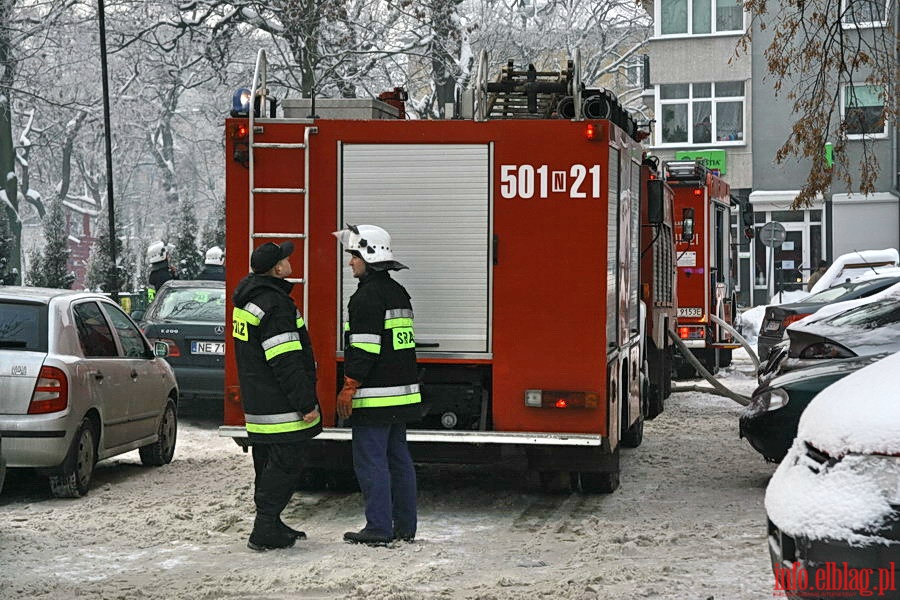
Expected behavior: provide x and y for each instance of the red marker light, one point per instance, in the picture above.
(590, 131)
(561, 403)
(698, 192)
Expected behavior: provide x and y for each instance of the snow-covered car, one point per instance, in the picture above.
(770, 421)
(833, 504)
(779, 316)
(79, 382)
(870, 327)
(189, 316)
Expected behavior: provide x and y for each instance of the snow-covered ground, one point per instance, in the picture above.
(687, 523)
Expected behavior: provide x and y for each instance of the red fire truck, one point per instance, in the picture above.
(658, 282)
(705, 273)
(522, 233)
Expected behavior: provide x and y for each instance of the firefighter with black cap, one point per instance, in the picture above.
(380, 394)
(277, 373)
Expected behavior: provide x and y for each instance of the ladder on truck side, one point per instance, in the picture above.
(258, 98)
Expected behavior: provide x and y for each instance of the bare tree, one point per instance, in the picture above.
(817, 47)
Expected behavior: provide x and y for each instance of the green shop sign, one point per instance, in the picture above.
(715, 159)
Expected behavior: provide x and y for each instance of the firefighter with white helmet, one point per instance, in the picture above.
(214, 265)
(160, 269)
(381, 390)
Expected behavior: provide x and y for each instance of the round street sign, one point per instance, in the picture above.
(772, 234)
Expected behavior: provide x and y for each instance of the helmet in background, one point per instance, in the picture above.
(157, 252)
(215, 256)
(371, 243)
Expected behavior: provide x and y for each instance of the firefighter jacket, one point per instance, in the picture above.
(160, 273)
(275, 362)
(380, 352)
(212, 273)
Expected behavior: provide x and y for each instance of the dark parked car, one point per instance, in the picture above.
(770, 420)
(189, 316)
(778, 317)
(833, 505)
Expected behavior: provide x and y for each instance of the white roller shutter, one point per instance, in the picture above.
(434, 200)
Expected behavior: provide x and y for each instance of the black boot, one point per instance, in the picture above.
(367, 538)
(268, 535)
(298, 535)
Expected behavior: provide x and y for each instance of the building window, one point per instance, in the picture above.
(701, 113)
(864, 13)
(706, 17)
(863, 111)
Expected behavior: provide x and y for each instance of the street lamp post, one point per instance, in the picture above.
(111, 206)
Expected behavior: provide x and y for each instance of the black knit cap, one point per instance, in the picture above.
(266, 256)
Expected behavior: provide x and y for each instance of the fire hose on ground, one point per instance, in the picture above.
(717, 388)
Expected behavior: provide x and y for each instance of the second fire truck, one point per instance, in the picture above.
(703, 250)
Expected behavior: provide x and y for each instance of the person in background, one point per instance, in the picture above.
(277, 374)
(160, 269)
(214, 265)
(380, 394)
(816, 275)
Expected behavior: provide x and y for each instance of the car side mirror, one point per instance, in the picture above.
(137, 315)
(655, 201)
(161, 349)
(687, 225)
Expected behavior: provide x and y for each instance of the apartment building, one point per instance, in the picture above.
(712, 101)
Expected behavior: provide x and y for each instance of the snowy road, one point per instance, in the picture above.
(686, 523)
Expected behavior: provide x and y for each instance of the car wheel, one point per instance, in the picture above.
(162, 450)
(78, 467)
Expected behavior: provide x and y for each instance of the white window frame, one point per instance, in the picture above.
(657, 26)
(661, 104)
(883, 134)
(865, 24)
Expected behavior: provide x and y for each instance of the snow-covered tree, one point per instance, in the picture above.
(187, 258)
(49, 267)
(101, 269)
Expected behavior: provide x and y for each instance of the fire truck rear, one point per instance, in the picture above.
(658, 283)
(703, 248)
(522, 233)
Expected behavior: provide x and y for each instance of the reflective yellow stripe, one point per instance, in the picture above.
(281, 427)
(300, 322)
(346, 325)
(243, 315)
(367, 347)
(387, 401)
(282, 348)
(398, 322)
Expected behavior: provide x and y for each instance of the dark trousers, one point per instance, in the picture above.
(278, 468)
(386, 477)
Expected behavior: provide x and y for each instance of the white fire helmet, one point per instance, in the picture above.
(157, 252)
(215, 256)
(371, 243)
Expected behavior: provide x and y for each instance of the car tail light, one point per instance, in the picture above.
(174, 351)
(51, 392)
(793, 319)
(561, 399)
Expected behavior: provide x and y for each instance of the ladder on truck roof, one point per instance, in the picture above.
(259, 90)
(529, 93)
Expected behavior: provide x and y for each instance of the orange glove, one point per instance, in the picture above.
(345, 398)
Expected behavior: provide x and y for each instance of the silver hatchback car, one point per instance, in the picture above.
(79, 382)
